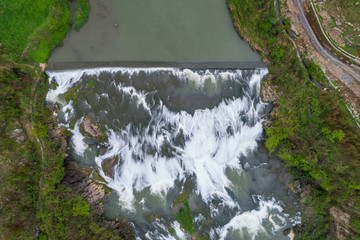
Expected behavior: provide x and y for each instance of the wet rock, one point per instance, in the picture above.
(93, 191)
(79, 181)
(108, 166)
(286, 231)
(59, 135)
(42, 66)
(92, 130)
(267, 123)
(121, 228)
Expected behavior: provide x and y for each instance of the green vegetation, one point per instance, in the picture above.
(312, 130)
(32, 29)
(91, 84)
(70, 94)
(81, 15)
(185, 218)
(32, 167)
(337, 8)
(34, 202)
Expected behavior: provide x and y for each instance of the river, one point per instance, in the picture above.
(176, 137)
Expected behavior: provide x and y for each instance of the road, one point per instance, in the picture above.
(349, 74)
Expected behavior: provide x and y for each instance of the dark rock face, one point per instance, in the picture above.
(89, 189)
(108, 166)
(94, 192)
(287, 231)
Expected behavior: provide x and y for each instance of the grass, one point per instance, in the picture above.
(81, 13)
(32, 29)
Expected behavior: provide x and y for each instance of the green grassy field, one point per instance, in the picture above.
(32, 29)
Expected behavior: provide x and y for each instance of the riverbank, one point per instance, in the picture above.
(36, 201)
(310, 128)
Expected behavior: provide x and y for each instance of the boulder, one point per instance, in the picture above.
(339, 216)
(92, 130)
(286, 231)
(108, 166)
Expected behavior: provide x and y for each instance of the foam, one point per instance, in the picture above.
(252, 221)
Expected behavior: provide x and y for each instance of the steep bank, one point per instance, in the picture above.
(311, 129)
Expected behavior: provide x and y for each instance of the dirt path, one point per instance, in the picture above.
(30, 130)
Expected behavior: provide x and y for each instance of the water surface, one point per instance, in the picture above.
(156, 30)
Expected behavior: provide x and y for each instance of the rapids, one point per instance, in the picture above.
(178, 130)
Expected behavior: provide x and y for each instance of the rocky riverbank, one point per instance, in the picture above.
(296, 129)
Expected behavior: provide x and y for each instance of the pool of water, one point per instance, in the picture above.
(157, 30)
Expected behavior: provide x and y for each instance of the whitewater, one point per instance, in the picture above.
(167, 126)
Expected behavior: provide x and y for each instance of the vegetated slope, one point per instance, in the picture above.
(341, 20)
(311, 129)
(35, 204)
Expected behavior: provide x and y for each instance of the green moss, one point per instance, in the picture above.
(97, 176)
(182, 198)
(72, 124)
(91, 84)
(185, 218)
(70, 94)
(171, 230)
(81, 13)
(150, 217)
(37, 25)
(53, 85)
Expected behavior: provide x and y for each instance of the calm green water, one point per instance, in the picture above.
(157, 30)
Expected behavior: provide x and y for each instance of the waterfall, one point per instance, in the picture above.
(167, 125)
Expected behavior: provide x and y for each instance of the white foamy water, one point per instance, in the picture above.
(252, 222)
(211, 141)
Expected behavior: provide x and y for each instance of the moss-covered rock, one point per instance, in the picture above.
(108, 166)
(71, 94)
